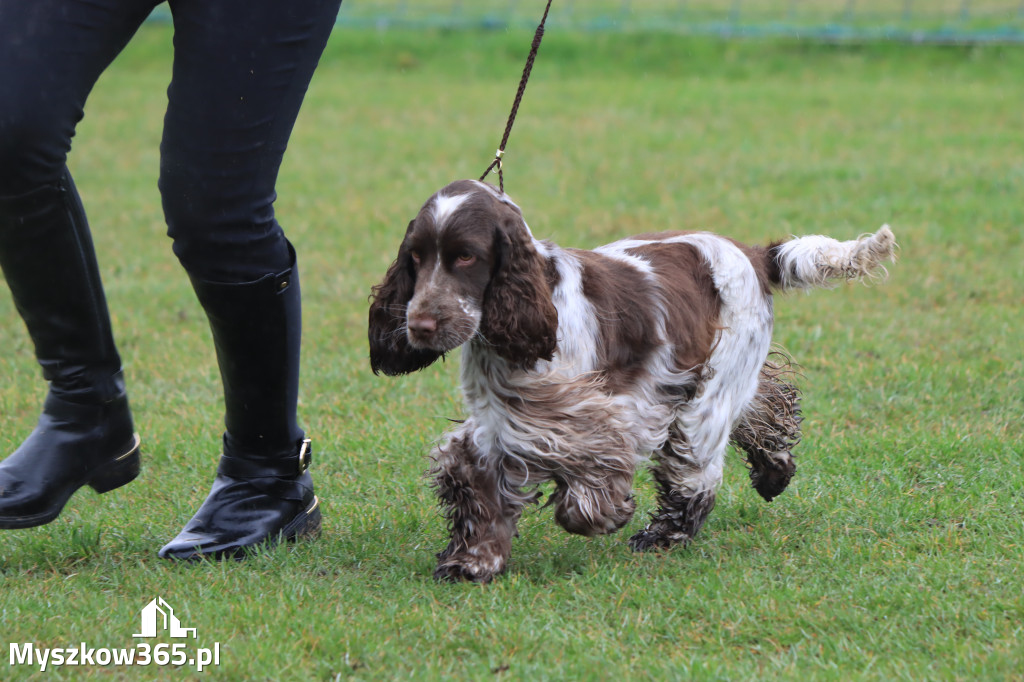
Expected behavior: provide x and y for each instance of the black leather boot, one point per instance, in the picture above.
(85, 434)
(262, 493)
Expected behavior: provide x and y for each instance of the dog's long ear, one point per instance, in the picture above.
(519, 319)
(390, 351)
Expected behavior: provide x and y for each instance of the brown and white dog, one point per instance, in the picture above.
(579, 365)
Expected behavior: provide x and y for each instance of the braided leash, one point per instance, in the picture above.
(515, 104)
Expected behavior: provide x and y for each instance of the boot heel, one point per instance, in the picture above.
(313, 516)
(119, 472)
(305, 526)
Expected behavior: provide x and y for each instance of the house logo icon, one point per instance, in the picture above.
(157, 613)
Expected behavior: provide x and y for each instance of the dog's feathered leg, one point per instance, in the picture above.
(769, 430)
(595, 502)
(686, 495)
(481, 515)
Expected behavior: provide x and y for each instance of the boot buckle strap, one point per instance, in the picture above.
(264, 467)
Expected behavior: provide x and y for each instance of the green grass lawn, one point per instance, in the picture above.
(895, 554)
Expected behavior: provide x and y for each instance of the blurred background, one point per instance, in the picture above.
(910, 20)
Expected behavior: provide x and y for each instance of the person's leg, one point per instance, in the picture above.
(241, 69)
(51, 53)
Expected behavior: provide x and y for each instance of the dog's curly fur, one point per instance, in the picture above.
(578, 365)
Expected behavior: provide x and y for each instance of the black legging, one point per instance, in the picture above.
(241, 69)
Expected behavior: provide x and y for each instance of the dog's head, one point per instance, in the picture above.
(467, 267)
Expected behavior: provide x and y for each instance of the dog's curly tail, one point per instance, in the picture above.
(819, 261)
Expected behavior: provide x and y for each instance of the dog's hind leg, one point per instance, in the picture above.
(769, 429)
(482, 510)
(687, 482)
(688, 467)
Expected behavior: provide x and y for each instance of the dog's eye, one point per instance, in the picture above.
(415, 257)
(465, 259)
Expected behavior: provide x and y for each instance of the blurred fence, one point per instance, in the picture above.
(939, 21)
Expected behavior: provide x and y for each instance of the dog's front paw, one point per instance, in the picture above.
(464, 567)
